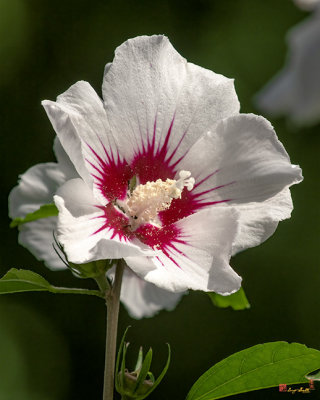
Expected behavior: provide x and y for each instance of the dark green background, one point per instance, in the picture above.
(52, 347)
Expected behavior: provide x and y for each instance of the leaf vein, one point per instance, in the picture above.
(245, 373)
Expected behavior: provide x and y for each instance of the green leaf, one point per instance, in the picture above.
(45, 211)
(21, 280)
(237, 300)
(315, 376)
(258, 367)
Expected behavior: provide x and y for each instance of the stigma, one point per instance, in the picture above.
(146, 201)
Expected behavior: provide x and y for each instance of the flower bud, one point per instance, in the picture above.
(129, 387)
(139, 383)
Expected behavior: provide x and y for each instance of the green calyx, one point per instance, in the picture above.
(93, 269)
(140, 383)
(130, 388)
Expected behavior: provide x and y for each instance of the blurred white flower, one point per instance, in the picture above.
(307, 4)
(295, 91)
(171, 177)
(37, 187)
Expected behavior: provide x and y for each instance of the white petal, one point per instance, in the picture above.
(143, 299)
(37, 237)
(241, 161)
(81, 228)
(199, 257)
(307, 4)
(278, 96)
(65, 164)
(258, 221)
(81, 124)
(304, 43)
(35, 188)
(78, 198)
(295, 91)
(152, 94)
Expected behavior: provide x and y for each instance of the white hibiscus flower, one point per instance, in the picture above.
(171, 177)
(295, 91)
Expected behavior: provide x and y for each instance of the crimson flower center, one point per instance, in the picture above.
(144, 203)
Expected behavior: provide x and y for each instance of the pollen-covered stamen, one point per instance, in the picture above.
(146, 201)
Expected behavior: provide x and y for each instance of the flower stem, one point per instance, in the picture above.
(112, 302)
(103, 284)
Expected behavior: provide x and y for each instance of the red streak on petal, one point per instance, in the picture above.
(160, 239)
(116, 222)
(156, 237)
(198, 183)
(154, 162)
(188, 204)
(112, 175)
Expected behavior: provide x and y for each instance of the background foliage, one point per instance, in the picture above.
(55, 344)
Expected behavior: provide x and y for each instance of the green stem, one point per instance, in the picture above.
(54, 289)
(112, 302)
(103, 283)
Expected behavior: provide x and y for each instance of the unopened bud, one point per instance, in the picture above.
(129, 385)
(140, 383)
